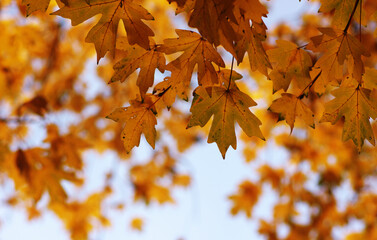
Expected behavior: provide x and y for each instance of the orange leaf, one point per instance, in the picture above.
(197, 51)
(290, 107)
(148, 60)
(227, 106)
(104, 33)
(138, 118)
(245, 199)
(291, 63)
(338, 47)
(357, 106)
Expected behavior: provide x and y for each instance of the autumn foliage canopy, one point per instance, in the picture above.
(310, 90)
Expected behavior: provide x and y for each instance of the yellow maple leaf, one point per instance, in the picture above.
(148, 60)
(342, 10)
(291, 63)
(357, 106)
(337, 46)
(228, 105)
(290, 107)
(138, 118)
(251, 42)
(196, 51)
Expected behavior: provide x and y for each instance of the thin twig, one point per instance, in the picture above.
(309, 85)
(350, 19)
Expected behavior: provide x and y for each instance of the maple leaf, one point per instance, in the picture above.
(180, 3)
(369, 78)
(39, 5)
(252, 9)
(251, 42)
(35, 5)
(41, 174)
(228, 105)
(338, 46)
(342, 10)
(183, 5)
(245, 199)
(290, 107)
(138, 118)
(197, 51)
(292, 63)
(357, 106)
(212, 18)
(104, 33)
(148, 60)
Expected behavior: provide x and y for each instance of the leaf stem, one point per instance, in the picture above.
(350, 19)
(159, 97)
(309, 85)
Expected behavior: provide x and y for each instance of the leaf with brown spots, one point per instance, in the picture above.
(228, 105)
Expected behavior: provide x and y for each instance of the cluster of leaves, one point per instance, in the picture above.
(336, 55)
(236, 25)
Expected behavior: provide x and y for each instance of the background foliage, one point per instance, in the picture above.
(320, 77)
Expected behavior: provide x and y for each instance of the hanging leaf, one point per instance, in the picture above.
(357, 106)
(138, 118)
(104, 33)
(228, 106)
(148, 60)
(290, 107)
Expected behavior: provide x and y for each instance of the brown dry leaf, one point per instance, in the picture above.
(211, 18)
